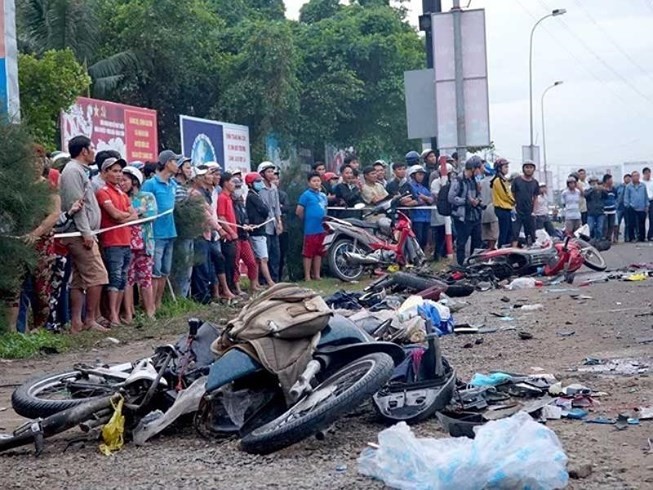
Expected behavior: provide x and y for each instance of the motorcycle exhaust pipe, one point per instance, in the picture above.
(303, 384)
(360, 259)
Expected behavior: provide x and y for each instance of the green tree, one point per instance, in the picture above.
(352, 79)
(47, 85)
(45, 25)
(182, 63)
(21, 209)
(317, 10)
(261, 85)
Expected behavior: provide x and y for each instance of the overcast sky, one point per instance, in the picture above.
(601, 49)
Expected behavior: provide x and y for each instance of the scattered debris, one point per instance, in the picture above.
(525, 335)
(566, 333)
(581, 471)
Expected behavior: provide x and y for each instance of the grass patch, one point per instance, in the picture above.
(18, 346)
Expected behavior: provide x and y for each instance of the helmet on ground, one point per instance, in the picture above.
(252, 177)
(415, 169)
(412, 157)
(263, 166)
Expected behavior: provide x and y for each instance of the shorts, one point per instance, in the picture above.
(259, 246)
(162, 257)
(313, 245)
(88, 267)
(490, 231)
(117, 261)
(140, 269)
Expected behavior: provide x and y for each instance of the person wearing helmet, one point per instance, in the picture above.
(525, 190)
(258, 213)
(489, 220)
(570, 199)
(466, 212)
(430, 162)
(141, 244)
(438, 220)
(412, 158)
(421, 218)
(270, 196)
(503, 201)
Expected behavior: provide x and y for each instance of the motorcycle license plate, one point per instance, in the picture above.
(327, 240)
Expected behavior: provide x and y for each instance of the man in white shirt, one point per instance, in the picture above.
(648, 183)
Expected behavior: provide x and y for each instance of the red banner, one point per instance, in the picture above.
(130, 130)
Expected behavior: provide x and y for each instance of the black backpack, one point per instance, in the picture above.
(443, 204)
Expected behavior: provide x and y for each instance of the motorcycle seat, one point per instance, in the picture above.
(362, 224)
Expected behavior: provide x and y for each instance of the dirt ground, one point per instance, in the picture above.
(610, 325)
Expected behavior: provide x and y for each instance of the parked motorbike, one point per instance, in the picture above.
(353, 245)
(244, 399)
(550, 258)
(85, 395)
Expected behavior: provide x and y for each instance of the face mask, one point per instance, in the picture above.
(238, 193)
(478, 178)
(258, 186)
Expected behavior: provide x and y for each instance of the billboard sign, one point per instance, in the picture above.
(9, 103)
(474, 78)
(132, 131)
(204, 140)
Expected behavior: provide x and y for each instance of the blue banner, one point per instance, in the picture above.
(202, 140)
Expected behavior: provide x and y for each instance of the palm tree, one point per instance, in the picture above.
(58, 24)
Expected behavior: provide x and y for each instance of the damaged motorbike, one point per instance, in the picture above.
(354, 245)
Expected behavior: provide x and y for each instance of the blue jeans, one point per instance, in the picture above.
(117, 261)
(184, 258)
(596, 224)
(274, 256)
(505, 226)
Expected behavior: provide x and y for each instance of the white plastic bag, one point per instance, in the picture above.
(522, 283)
(515, 452)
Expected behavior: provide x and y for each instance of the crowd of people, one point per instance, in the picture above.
(112, 231)
(113, 237)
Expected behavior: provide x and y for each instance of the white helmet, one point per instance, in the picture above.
(135, 172)
(263, 166)
(414, 169)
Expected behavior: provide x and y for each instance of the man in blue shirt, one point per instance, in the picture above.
(163, 186)
(636, 203)
(311, 209)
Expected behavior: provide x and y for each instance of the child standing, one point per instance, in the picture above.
(571, 202)
(311, 209)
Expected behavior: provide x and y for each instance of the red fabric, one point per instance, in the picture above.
(120, 237)
(226, 212)
(245, 253)
(53, 178)
(313, 245)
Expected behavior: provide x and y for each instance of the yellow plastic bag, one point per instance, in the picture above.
(113, 431)
(636, 277)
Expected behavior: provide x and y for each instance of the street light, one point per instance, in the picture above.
(554, 13)
(546, 175)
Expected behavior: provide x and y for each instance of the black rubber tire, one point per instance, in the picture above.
(413, 281)
(333, 268)
(267, 438)
(26, 403)
(598, 267)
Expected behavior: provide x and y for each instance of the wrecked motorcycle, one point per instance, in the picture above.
(85, 395)
(244, 399)
(550, 258)
(353, 245)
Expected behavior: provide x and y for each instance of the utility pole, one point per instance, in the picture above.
(461, 146)
(430, 7)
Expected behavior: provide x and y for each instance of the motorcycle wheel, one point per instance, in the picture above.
(46, 395)
(338, 264)
(592, 258)
(340, 393)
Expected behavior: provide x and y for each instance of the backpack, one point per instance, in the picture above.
(284, 311)
(445, 208)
